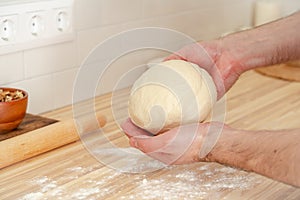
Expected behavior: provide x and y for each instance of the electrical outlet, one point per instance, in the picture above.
(35, 23)
(63, 21)
(8, 29)
(36, 26)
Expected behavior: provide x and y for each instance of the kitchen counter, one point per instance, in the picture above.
(71, 172)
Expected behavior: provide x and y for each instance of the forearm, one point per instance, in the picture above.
(268, 44)
(275, 154)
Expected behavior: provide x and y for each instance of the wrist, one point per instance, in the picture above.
(227, 147)
(221, 148)
(224, 143)
(236, 48)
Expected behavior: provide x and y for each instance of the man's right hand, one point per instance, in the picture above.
(215, 59)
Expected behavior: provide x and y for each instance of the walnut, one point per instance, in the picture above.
(7, 96)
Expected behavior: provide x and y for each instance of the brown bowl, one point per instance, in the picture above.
(13, 112)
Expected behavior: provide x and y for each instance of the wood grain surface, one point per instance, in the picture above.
(46, 138)
(287, 71)
(71, 172)
(29, 123)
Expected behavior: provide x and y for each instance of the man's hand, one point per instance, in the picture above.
(275, 154)
(215, 59)
(226, 58)
(180, 145)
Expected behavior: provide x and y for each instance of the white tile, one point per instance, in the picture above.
(89, 39)
(40, 93)
(154, 8)
(118, 76)
(63, 83)
(50, 59)
(202, 23)
(290, 6)
(210, 24)
(87, 14)
(11, 68)
(125, 70)
(87, 80)
(142, 57)
(199, 24)
(199, 19)
(182, 28)
(153, 38)
(163, 38)
(237, 14)
(118, 11)
(152, 22)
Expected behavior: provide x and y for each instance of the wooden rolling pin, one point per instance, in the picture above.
(45, 139)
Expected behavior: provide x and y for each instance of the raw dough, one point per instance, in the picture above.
(170, 94)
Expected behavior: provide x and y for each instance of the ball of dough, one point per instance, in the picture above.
(170, 94)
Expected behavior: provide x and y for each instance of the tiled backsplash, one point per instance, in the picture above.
(48, 73)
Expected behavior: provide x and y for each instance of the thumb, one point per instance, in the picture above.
(132, 130)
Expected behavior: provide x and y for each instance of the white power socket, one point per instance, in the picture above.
(8, 27)
(63, 20)
(35, 23)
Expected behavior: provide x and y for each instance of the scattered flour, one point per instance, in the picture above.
(203, 183)
(129, 160)
(83, 193)
(196, 181)
(33, 196)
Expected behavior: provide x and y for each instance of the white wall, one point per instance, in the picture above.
(48, 73)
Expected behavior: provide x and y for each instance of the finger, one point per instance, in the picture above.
(149, 144)
(181, 138)
(157, 154)
(132, 130)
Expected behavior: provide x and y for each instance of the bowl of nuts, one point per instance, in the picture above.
(13, 105)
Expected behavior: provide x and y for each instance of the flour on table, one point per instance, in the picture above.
(33, 196)
(83, 193)
(195, 181)
(129, 160)
(203, 182)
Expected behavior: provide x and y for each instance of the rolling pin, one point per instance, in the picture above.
(45, 139)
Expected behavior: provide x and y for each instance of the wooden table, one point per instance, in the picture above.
(71, 172)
